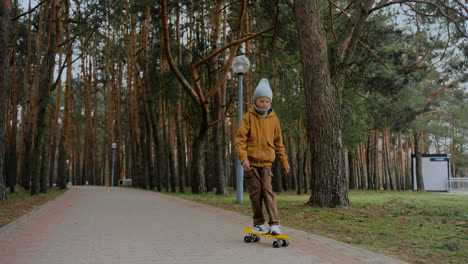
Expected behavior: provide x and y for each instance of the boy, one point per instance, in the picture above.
(258, 141)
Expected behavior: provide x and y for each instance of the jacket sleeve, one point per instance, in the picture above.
(241, 138)
(280, 150)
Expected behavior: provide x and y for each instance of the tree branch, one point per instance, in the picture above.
(187, 87)
(30, 11)
(276, 23)
(436, 94)
(355, 89)
(229, 61)
(462, 5)
(341, 9)
(232, 54)
(383, 63)
(331, 19)
(348, 42)
(227, 46)
(439, 8)
(289, 3)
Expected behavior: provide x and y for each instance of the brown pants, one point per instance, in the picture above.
(258, 182)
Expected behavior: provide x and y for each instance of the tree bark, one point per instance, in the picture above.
(179, 127)
(28, 127)
(418, 154)
(352, 161)
(109, 107)
(78, 156)
(221, 187)
(5, 9)
(12, 145)
(364, 164)
(198, 164)
(276, 181)
(323, 103)
(43, 91)
(171, 152)
(44, 176)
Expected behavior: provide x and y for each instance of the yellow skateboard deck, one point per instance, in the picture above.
(281, 240)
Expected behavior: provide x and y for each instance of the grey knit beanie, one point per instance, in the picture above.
(263, 90)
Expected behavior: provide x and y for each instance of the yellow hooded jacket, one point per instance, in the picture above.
(259, 139)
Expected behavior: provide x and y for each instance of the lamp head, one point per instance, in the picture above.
(240, 64)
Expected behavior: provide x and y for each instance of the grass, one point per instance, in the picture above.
(21, 202)
(412, 226)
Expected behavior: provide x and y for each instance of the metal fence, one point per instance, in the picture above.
(458, 184)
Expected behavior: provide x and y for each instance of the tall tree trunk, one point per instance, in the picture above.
(54, 136)
(182, 156)
(408, 161)
(98, 176)
(78, 157)
(233, 157)
(370, 157)
(418, 155)
(66, 132)
(364, 165)
(12, 145)
(172, 154)
(161, 148)
(377, 171)
(293, 154)
(43, 91)
(401, 167)
(387, 184)
(44, 176)
(179, 128)
(5, 9)
(167, 147)
(109, 107)
(221, 187)
(291, 176)
(89, 131)
(117, 115)
(29, 125)
(198, 158)
(300, 159)
(323, 103)
(352, 171)
(276, 181)
(223, 102)
(307, 170)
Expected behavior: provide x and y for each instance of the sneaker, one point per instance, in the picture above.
(275, 230)
(261, 229)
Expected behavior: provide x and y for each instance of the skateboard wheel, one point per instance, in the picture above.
(247, 239)
(284, 243)
(256, 238)
(276, 244)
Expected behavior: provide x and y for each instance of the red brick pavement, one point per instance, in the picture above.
(20, 245)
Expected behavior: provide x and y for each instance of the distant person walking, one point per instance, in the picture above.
(258, 143)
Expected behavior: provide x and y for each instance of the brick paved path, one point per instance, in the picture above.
(102, 225)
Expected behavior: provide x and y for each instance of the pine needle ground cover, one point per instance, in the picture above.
(21, 202)
(411, 226)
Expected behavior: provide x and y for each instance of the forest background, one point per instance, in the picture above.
(155, 78)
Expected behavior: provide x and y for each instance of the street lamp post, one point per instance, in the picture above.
(240, 65)
(114, 146)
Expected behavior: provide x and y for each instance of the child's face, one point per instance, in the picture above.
(263, 102)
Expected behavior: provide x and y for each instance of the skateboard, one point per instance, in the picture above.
(281, 240)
